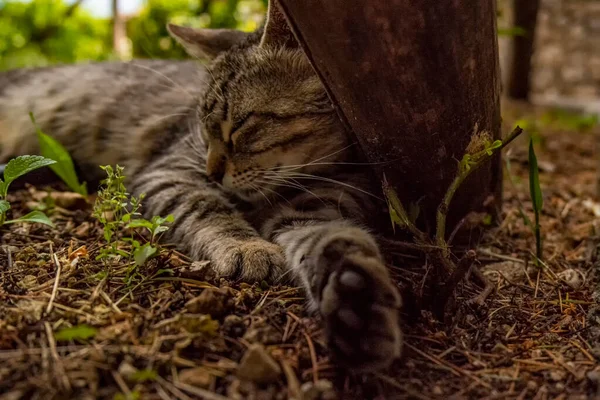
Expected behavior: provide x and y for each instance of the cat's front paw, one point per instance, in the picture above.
(249, 260)
(360, 305)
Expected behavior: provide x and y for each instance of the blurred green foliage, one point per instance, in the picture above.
(148, 33)
(45, 32)
(39, 33)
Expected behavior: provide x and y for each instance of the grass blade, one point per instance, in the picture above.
(64, 167)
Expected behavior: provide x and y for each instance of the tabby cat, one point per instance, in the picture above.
(249, 156)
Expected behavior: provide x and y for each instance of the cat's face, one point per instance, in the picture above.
(266, 119)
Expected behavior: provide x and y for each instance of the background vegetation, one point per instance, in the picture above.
(44, 32)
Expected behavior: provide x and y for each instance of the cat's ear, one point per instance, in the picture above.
(205, 43)
(277, 32)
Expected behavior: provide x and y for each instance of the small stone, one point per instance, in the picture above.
(437, 391)
(198, 377)
(532, 386)
(510, 270)
(536, 353)
(234, 326)
(320, 390)
(594, 376)
(557, 375)
(69, 201)
(127, 370)
(572, 277)
(211, 302)
(262, 332)
(258, 366)
(83, 230)
(199, 270)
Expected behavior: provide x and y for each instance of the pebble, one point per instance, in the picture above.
(320, 390)
(198, 377)
(127, 370)
(234, 326)
(572, 277)
(211, 302)
(258, 366)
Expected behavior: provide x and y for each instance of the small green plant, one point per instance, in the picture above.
(537, 200)
(78, 332)
(118, 212)
(64, 167)
(16, 168)
(480, 150)
(144, 375)
(156, 227)
(114, 208)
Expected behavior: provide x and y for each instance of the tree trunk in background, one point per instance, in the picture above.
(413, 80)
(119, 31)
(525, 14)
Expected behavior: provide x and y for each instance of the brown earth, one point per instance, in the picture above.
(174, 332)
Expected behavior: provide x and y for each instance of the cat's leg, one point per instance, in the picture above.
(206, 226)
(346, 280)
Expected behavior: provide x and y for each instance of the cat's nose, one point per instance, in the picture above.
(215, 166)
(216, 175)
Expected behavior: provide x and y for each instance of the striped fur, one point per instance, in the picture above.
(247, 154)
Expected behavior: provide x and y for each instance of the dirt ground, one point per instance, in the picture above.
(174, 332)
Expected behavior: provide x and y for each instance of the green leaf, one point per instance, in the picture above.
(514, 31)
(144, 375)
(487, 220)
(33, 217)
(534, 180)
(164, 271)
(2, 187)
(134, 395)
(140, 223)
(64, 167)
(160, 229)
(4, 206)
(78, 332)
(144, 253)
(413, 212)
(22, 165)
(396, 209)
(156, 220)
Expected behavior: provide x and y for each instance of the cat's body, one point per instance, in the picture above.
(248, 155)
(105, 114)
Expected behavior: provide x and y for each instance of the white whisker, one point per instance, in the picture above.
(177, 85)
(168, 116)
(299, 175)
(278, 181)
(260, 191)
(286, 168)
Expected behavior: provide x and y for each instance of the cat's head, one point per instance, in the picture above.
(265, 116)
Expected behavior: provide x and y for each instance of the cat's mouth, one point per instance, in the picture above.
(249, 194)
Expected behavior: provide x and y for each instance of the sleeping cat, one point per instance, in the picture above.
(249, 156)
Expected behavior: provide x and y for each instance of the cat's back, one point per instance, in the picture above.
(96, 108)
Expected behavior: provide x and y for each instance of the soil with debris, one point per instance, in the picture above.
(73, 327)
